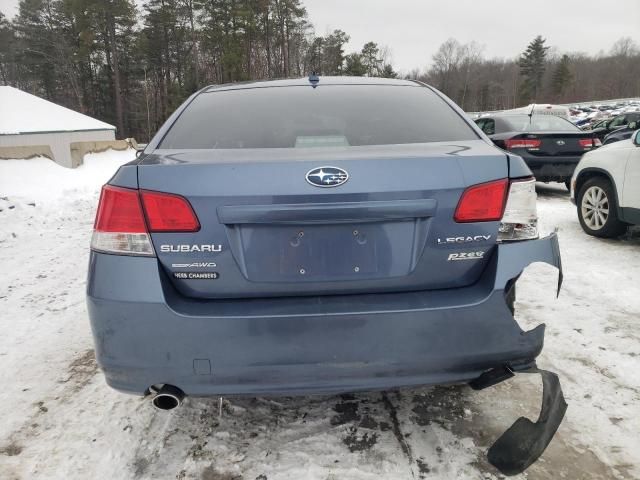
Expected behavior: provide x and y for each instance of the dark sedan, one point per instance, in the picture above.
(619, 125)
(624, 132)
(550, 145)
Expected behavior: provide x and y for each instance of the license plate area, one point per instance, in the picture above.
(317, 253)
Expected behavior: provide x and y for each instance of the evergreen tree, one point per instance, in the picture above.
(562, 76)
(532, 65)
(370, 59)
(333, 52)
(167, 43)
(132, 69)
(388, 71)
(354, 66)
(325, 55)
(36, 26)
(315, 59)
(98, 57)
(8, 65)
(113, 22)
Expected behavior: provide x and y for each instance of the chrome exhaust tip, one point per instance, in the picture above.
(167, 397)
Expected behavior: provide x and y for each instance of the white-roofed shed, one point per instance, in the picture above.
(31, 126)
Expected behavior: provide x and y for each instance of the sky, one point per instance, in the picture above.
(414, 29)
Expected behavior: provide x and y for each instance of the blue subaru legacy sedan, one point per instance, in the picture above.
(317, 235)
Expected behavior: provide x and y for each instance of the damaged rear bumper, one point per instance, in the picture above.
(146, 333)
(525, 441)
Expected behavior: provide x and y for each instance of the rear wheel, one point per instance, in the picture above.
(597, 209)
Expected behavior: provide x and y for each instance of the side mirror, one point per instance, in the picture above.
(635, 138)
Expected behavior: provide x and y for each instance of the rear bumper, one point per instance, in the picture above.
(145, 333)
(552, 169)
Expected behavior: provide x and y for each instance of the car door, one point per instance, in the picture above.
(631, 190)
(617, 122)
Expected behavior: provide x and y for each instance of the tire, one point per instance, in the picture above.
(598, 209)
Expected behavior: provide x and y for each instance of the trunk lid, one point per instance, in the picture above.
(560, 144)
(267, 231)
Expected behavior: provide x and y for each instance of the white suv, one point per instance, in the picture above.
(606, 188)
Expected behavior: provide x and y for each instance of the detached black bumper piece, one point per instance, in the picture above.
(525, 441)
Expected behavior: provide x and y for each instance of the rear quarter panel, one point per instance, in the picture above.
(610, 160)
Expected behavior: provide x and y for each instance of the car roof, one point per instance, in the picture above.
(302, 81)
(506, 115)
(501, 115)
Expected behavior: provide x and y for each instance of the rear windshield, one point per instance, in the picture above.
(327, 116)
(540, 123)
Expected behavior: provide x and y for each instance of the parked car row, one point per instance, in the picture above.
(610, 122)
(617, 128)
(604, 182)
(586, 115)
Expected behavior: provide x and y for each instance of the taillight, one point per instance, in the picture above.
(120, 226)
(482, 203)
(119, 210)
(587, 143)
(168, 213)
(590, 142)
(528, 143)
(126, 216)
(520, 219)
(513, 203)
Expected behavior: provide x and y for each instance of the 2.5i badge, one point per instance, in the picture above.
(196, 275)
(465, 256)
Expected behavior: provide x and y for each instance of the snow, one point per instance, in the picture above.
(60, 420)
(21, 112)
(42, 180)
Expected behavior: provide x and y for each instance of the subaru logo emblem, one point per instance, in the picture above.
(560, 142)
(327, 176)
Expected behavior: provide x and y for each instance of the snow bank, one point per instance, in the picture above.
(41, 180)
